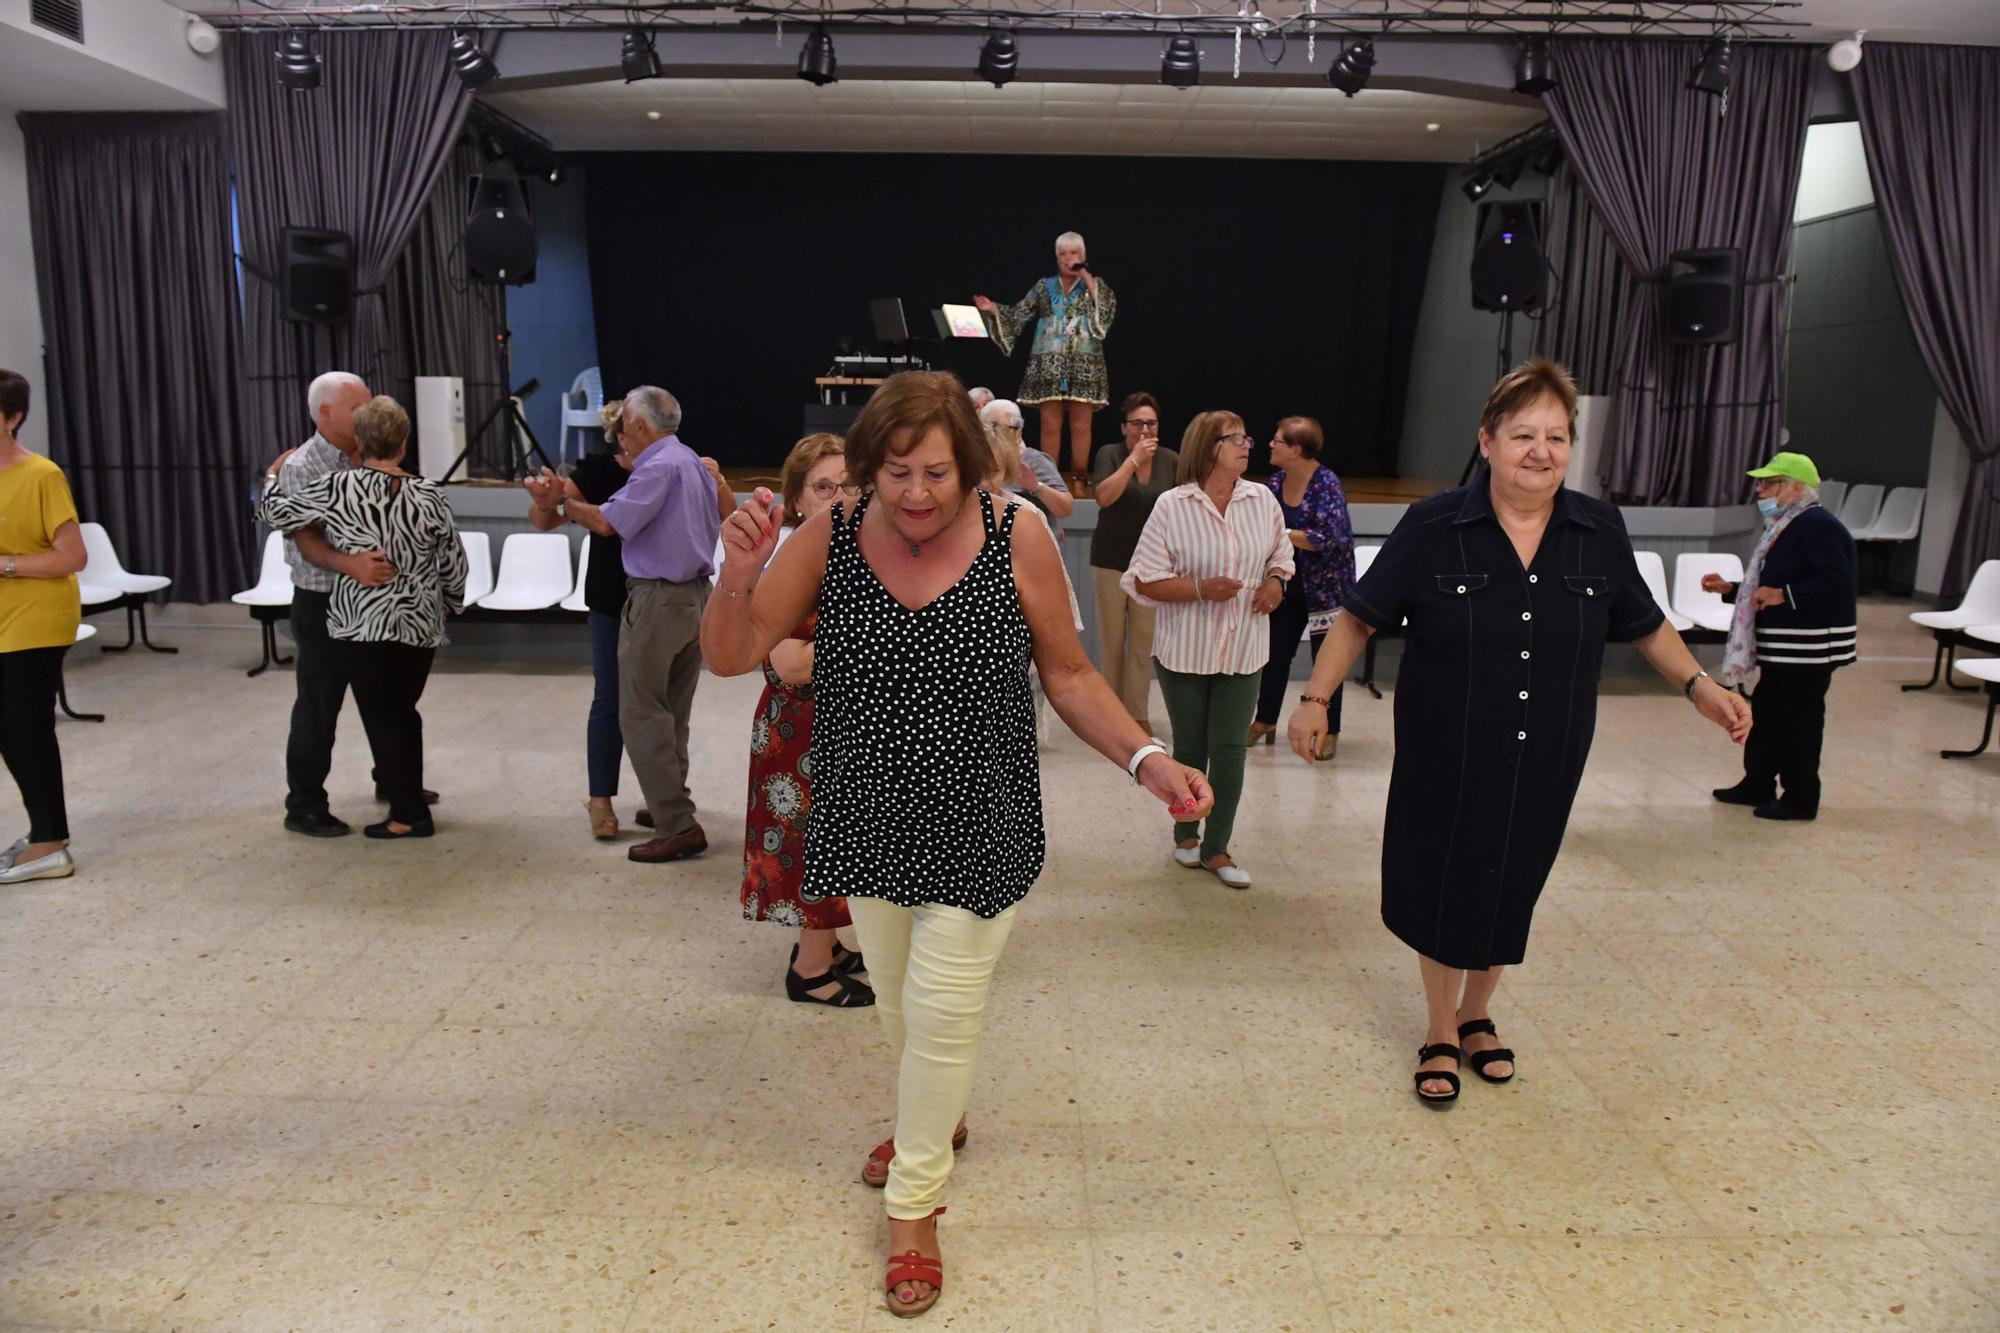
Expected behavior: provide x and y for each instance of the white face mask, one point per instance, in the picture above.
(1768, 507)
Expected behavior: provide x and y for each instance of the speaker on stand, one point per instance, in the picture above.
(1703, 305)
(1509, 273)
(316, 275)
(500, 247)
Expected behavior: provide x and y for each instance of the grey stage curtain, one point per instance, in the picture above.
(441, 321)
(1584, 324)
(1930, 123)
(1669, 169)
(130, 215)
(359, 154)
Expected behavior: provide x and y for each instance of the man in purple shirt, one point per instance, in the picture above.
(668, 517)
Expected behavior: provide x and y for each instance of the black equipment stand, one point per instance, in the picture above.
(507, 410)
(1504, 363)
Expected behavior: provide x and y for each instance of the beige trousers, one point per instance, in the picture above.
(1124, 643)
(930, 967)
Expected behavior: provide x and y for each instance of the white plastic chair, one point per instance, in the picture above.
(270, 601)
(534, 573)
(1980, 606)
(583, 409)
(1706, 610)
(479, 566)
(98, 596)
(575, 602)
(1831, 493)
(1654, 570)
(1901, 518)
(101, 567)
(1861, 508)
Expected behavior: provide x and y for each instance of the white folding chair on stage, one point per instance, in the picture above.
(1985, 670)
(101, 566)
(575, 602)
(582, 409)
(1654, 570)
(479, 566)
(1980, 606)
(1860, 509)
(270, 601)
(534, 573)
(1709, 613)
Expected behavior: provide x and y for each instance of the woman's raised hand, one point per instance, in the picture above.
(984, 303)
(748, 537)
(1185, 790)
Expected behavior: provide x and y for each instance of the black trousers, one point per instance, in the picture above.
(1288, 622)
(1787, 727)
(29, 680)
(322, 688)
(388, 679)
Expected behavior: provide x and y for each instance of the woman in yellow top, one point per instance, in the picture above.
(41, 548)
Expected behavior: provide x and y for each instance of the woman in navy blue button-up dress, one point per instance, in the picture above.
(1511, 588)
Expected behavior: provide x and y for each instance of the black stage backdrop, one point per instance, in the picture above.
(1264, 287)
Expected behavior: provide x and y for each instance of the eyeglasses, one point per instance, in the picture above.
(1136, 424)
(826, 490)
(1233, 435)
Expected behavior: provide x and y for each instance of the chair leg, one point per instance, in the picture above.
(62, 698)
(140, 605)
(1368, 668)
(1986, 737)
(271, 654)
(1937, 664)
(131, 631)
(1950, 657)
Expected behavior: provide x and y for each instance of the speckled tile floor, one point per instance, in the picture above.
(505, 1078)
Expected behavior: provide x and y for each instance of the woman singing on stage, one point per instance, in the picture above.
(1072, 313)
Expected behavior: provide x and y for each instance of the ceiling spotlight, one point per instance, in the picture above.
(1476, 187)
(472, 65)
(1350, 72)
(1845, 54)
(298, 63)
(202, 38)
(1180, 65)
(1432, 127)
(1534, 72)
(816, 63)
(1507, 171)
(999, 58)
(639, 60)
(1711, 73)
(652, 115)
(556, 174)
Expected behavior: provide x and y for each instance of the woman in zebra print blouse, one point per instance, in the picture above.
(389, 633)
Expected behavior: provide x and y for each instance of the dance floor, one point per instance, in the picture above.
(505, 1078)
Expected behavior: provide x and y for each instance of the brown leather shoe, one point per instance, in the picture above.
(644, 819)
(691, 843)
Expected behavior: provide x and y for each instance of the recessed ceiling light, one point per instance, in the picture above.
(1433, 127)
(652, 115)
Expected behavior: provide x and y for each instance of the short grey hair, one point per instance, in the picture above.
(980, 395)
(654, 406)
(1070, 238)
(1002, 411)
(324, 389)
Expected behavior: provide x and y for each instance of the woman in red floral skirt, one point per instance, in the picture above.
(774, 836)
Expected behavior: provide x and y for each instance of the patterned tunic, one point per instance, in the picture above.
(1066, 360)
(407, 517)
(1327, 571)
(927, 782)
(774, 833)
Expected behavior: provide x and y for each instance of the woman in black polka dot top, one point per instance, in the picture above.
(927, 803)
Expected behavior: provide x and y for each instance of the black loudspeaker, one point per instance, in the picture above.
(1704, 303)
(1507, 265)
(317, 281)
(499, 230)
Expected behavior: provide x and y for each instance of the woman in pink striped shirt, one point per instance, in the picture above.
(1214, 559)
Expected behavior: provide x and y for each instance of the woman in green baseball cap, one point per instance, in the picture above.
(1795, 626)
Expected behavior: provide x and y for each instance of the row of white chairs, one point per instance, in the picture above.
(535, 574)
(1871, 515)
(104, 584)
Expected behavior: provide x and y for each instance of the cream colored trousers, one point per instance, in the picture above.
(1124, 643)
(930, 967)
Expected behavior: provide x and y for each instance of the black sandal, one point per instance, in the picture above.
(1424, 1076)
(1480, 1059)
(845, 960)
(848, 993)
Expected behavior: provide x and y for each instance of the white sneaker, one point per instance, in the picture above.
(1234, 877)
(1188, 857)
(13, 854)
(58, 864)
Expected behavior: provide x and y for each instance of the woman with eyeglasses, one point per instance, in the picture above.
(780, 801)
(1215, 559)
(1127, 480)
(1315, 510)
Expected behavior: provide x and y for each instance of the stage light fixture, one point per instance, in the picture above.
(1350, 72)
(298, 63)
(999, 59)
(1711, 73)
(1507, 171)
(1534, 72)
(639, 60)
(556, 174)
(1180, 65)
(817, 65)
(1845, 54)
(472, 65)
(1476, 186)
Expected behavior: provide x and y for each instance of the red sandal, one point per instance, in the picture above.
(875, 1171)
(914, 1266)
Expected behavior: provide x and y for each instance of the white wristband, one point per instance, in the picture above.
(1139, 757)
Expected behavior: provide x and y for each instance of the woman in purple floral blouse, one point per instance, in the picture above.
(1316, 518)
